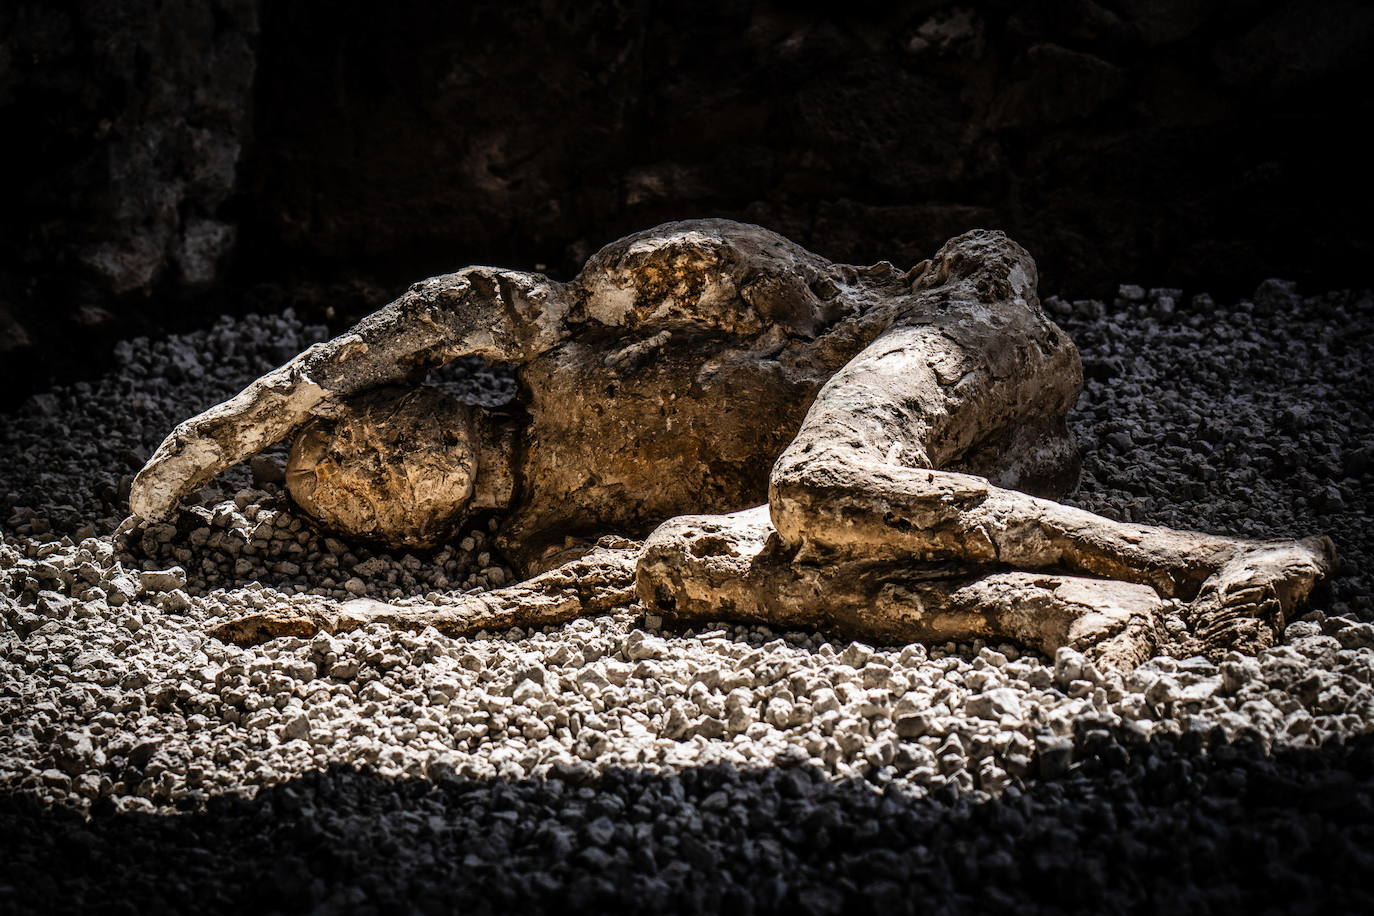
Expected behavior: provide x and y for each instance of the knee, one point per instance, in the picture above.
(863, 506)
(808, 483)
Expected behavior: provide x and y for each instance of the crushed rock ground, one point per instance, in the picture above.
(610, 765)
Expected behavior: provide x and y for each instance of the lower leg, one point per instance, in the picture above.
(846, 506)
(734, 567)
(1249, 600)
(594, 582)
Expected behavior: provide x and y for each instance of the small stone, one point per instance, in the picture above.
(996, 704)
(266, 470)
(1302, 629)
(162, 580)
(1056, 755)
(856, 655)
(1236, 673)
(641, 646)
(778, 713)
(1079, 689)
(345, 669)
(143, 751)
(297, 725)
(1356, 636)
(527, 690)
(591, 681)
(913, 725)
(174, 601)
(56, 779)
(600, 831)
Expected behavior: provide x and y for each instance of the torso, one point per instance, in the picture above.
(691, 425)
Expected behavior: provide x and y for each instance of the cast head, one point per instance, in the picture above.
(402, 466)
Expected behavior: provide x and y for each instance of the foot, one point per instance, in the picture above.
(1249, 600)
(300, 621)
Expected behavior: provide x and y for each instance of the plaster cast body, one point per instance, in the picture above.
(856, 447)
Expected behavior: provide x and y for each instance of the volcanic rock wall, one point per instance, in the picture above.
(168, 161)
(125, 123)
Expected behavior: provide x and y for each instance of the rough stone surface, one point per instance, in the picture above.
(134, 119)
(596, 765)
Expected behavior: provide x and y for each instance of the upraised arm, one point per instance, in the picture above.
(505, 316)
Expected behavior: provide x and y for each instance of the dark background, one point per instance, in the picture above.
(169, 161)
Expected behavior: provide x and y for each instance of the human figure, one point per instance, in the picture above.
(889, 427)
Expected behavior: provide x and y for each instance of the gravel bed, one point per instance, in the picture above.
(612, 765)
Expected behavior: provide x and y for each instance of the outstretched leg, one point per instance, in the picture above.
(863, 477)
(595, 582)
(735, 567)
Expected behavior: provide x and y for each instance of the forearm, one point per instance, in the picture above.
(503, 316)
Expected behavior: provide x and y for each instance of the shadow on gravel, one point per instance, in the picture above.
(1159, 826)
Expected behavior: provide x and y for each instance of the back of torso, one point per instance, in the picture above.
(624, 434)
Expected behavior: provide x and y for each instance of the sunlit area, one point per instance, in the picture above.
(736, 458)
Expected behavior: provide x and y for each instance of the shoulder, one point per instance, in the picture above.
(729, 276)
